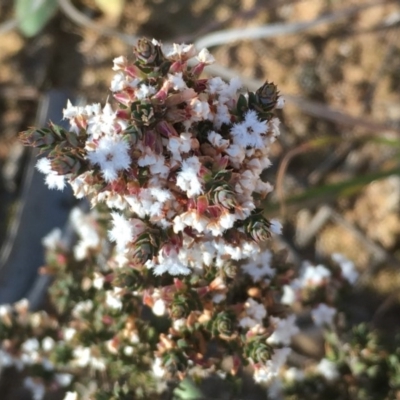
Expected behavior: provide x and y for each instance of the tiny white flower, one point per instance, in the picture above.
(64, 380)
(249, 132)
(323, 314)
(111, 155)
(205, 57)
(269, 371)
(182, 52)
(121, 232)
(128, 350)
(177, 81)
(69, 334)
(280, 103)
(289, 295)
(38, 390)
(328, 369)
(314, 276)
(53, 180)
(48, 343)
(349, 271)
(260, 266)
(294, 374)
(119, 63)
(159, 308)
(276, 227)
(188, 179)
(144, 91)
(284, 330)
(158, 370)
(52, 239)
(112, 300)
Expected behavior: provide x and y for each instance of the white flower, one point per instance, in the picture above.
(314, 276)
(289, 295)
(255, 312)
(171, 264)
(158, 369)
(144, 91)
(121, 232)
(276, 227)
(30, 345)
(284, 330)
(222, 116)
(182, 52)
(200, 109)
(187, 179)
(6, 359)
(205, 57)
(265, 373)
(113, 300)
(217, 140)
(280, 103)
(349, 271)
(69, 334)
(72, 111)
(48, 343)
(294, 374)
(53, 180)
(64, 380)
(85, 226)
(259, 266)
(216, 85)
(82, 356)
(38, 390)
(159, 308)
(98, 281)
(52, 239)
(120, 63)
(111, 155)
(104, 121)
(118, 82)
(128, 350)
(82, 307)
(328, 369)
(71, 396)
(323, 314)
(177, 81)
(249, 132)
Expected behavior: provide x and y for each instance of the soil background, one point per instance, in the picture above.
(351, 65)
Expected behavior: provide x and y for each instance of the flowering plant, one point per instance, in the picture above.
(173, 174)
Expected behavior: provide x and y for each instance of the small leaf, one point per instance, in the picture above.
(32, 15)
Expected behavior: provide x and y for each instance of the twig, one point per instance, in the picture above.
(274, 30)
(81, 19)
(8, 26)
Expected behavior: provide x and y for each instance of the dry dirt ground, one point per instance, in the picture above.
(351, 65)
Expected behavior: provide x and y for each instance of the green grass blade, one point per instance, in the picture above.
(330, 191)
(32, 15)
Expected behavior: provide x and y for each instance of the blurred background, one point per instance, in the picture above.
(336, 62)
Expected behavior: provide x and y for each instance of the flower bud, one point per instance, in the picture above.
(146, 51)
(259, 350)
(267, 96)
(223, 324)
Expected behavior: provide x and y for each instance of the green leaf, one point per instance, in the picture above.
(32, 15)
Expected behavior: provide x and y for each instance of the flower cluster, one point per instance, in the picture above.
(179, 160)
(169, 275)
